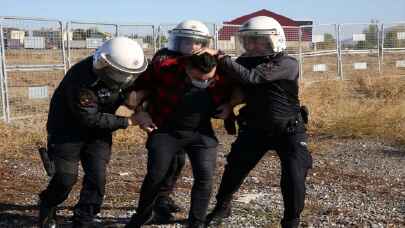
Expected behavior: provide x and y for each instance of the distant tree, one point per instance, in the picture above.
(162, 40)
(96, 33)
(79, 34)
(371, 34)
(391, 37)
(328, 43)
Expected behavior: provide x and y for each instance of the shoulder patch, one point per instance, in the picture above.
(87, 98)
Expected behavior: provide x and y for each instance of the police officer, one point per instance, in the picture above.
(184, 38)
(80, 124)
(271, 119)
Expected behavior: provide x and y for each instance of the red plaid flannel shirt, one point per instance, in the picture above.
(165, 78)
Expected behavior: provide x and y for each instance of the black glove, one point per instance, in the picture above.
(230, 124)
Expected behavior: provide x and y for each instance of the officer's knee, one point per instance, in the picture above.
(203, 183)
(99, 179)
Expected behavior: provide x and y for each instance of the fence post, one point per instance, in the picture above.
(66, 35)
(5, 101)
(158, 37)
(154, 39)
(215, 36)
(378, 47)
(382, 47)
(300, 59)
(339, 51)
(68, 45)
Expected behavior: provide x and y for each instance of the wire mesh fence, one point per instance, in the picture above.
(227, 39)
(32, 49)
(393, 49)
(144, 34)
(360, 52)
(318, 53)
(83, 38)
(35, 53)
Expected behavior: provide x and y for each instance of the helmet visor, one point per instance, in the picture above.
(116, 79)
(256, 44)
(187, 44)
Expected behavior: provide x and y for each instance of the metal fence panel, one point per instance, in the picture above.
(227, 39)
(83, 38)
(33, 51)
(393, 49)
(30, 41)
(319, 52)
(143, 34)
(294, 39)
(359, 44)
(30, 91)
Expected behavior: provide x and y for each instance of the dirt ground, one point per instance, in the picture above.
(354, 183)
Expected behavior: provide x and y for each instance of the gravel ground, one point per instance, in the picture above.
(354, 183)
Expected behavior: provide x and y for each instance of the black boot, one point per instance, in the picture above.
(221, 211)
(165, 204)
(47, 216)
(138, 220)
(196, 224)
(291, 223)
(83, 216)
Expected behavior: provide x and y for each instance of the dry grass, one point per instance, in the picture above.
(16, 140)
(371, 107)
(367, 107)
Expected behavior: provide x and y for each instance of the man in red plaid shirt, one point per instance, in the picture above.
(183, 94)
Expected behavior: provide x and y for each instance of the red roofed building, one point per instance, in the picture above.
(291, 28)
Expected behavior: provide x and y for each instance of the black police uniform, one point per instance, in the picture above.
(271, 120)
(80, 124)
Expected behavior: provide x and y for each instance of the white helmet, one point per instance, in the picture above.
(187, 33)
(119, 61)
(262, 36)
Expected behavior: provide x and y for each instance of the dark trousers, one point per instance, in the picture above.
(162, 149)
(249, 148)
(173, 174)
(94, 156)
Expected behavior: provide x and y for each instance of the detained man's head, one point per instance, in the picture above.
(201, 69)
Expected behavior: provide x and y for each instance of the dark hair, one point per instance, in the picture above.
(204, 62)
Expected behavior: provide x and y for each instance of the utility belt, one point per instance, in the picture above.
(289, 125)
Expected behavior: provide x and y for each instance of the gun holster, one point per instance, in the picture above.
(230, 124)
(47, 162)
(304, 113)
